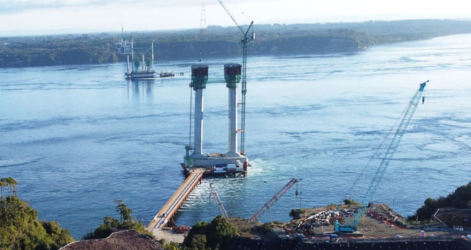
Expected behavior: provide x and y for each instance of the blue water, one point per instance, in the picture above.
(78, 137)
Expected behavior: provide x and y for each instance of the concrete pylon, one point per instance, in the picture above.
(232, 76)
(199, 77)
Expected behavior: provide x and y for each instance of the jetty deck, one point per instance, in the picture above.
(173, 204)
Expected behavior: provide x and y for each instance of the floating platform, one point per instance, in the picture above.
(140, 75)
(170, 74)
(217, 164)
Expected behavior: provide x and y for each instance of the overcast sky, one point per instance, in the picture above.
(32, 17)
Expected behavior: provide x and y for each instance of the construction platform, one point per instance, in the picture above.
(173, 204)
(218, 170)
(216, 164)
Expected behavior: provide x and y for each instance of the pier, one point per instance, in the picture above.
(173, 204)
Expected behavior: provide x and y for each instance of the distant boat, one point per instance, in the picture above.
(170, 74)
(141, 70)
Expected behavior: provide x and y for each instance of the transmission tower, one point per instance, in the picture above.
(203, 19)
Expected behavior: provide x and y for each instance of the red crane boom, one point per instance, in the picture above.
(273, 200)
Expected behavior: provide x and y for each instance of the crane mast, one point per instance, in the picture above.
(351, 222)
(246, 39)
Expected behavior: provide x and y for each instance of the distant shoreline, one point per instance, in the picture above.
(222, 42)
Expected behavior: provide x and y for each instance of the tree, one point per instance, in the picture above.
(460, 198)
(123, 211)
(217, 234)
(350, 202)
(11, 183)
(111, 224)
(172, 246)
(3, 184)
(20, 228)
(199, 242)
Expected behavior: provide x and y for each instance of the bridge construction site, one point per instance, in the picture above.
(197, 164)
(340, 221)
(234, 163)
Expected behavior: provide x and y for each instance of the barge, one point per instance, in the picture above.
(140, 69)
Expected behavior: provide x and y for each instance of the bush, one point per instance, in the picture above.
(19, 225)
(295, 213)
(111, 224)
(217, 234)
(350, 202)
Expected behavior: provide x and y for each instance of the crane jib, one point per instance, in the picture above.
(244, 41)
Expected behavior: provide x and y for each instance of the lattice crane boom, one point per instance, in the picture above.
(232, 17)
(352, 222)
(218, 201)
(273, 200)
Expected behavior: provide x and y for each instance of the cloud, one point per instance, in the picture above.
(17, 6)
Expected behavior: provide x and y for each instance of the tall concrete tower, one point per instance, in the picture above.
(199, 78)
(232, 76)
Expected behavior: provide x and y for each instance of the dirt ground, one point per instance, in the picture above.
(454, 217)
(379, 221)
(168, 235)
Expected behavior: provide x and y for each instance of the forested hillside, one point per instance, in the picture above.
(460, 198)
(276, 39)
(19, 224)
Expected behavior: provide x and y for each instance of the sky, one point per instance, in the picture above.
(43, 17)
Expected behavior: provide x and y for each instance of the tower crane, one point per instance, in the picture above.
(246, 39)
(273, 200)
(351, 222)
(218, 201)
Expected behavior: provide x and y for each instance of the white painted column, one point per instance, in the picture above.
(143, 63)
(128, 64)
(198, 139)
(232, 140)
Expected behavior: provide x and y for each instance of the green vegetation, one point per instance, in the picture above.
(265, 231)
(218, 234)
(19, 225)
(42, 51)
(461, 198)
(171, 245)
(111, 224)
(297, 213)
(276, 39)
(350, 202)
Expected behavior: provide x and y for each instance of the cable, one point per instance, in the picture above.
(374, 156)
(191, 112)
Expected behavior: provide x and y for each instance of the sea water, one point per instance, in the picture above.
(78, 137)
